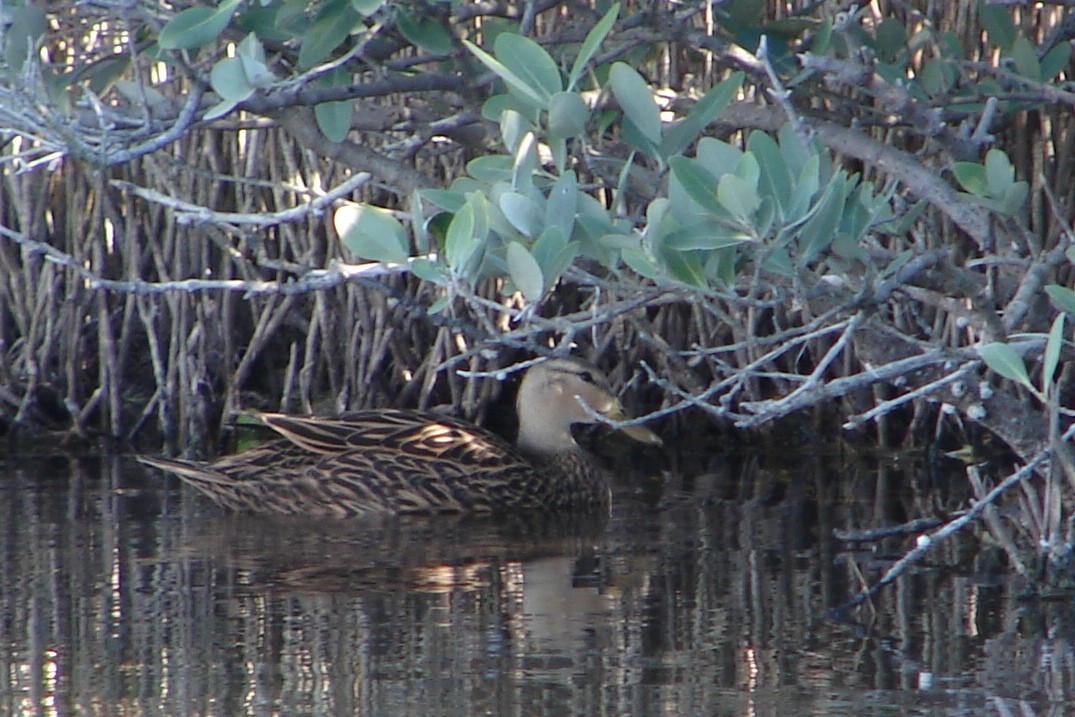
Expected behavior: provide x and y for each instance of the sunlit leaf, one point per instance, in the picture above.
(371, 233)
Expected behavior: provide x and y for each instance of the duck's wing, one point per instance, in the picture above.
(417, 434)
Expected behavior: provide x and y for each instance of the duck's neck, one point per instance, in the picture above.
(546, 440)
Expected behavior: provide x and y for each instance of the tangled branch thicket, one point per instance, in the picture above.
(162, 271)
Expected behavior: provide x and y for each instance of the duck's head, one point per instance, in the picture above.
(548, 405)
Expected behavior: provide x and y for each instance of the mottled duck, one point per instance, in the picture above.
(404, 461)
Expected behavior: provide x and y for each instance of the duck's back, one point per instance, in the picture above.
(393, 461)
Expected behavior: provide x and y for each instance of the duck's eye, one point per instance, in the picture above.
(587, 376)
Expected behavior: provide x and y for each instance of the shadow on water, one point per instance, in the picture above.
(700, 594)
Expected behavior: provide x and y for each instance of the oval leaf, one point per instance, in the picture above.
(636, 100)
(530, 62)
(698, 182)
(738, 196)
(568, 115)
(1062, 296)
(516, 84)
(523, 212)
(229, 80)
(326, 34)
(371, 233)
(196, 26)
(1006, 361)
(525, 272)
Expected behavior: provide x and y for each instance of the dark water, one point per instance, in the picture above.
(123, 594)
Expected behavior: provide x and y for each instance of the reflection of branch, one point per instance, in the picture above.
(925, 542)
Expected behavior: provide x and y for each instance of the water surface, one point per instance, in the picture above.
(123, 593)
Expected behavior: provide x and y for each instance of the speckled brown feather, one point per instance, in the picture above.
(393, 461)
(401, 461)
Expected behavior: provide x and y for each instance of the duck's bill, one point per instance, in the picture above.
(643, 435)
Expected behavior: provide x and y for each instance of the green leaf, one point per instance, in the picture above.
(680, 135)
(423, 32)
(568, 115)
(1052, 353)
(1014, 198)
(467, 233)
(640, 263)
(686, 267)
(999, 172)
(699, 183)
(371, 233)
(972, 177)
(590, 45)
(530, 62)
(703, 235)
(513, 127)
(334, 118)
(228, 80)
(738, 196)
(554, 254)
(1026, 59)
(997, 21)
(1062, 296)
(1055, 61)
(522, 212)
(516, 84)
(196, 26)
(327, 33)
(22, 27)
(427, 270)
(491, 168)
(446, 199)
(819, 231)
(775, 181)
(1004, 360)
(367, 7)
(890, 40)
(525, 272)
(636, 99)
(717, 156)
(562, 204)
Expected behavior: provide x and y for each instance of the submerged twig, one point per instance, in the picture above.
(925, 542)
